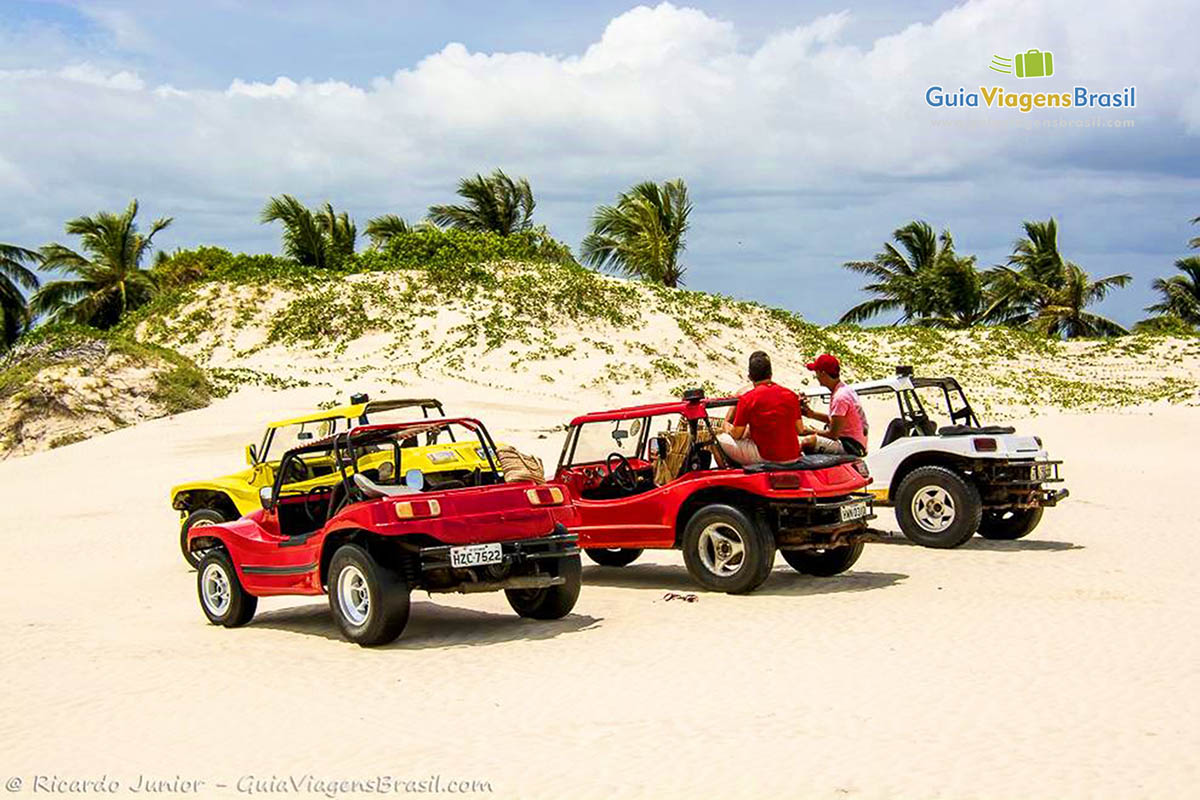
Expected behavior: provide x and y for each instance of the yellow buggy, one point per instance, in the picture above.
(446, 464)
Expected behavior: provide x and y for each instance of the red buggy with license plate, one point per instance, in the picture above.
(653, 477)
(377, 533)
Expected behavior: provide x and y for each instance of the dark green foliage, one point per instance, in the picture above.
(322, 239)
(495, 203)
(15, 275)
(1049, 294)
(642, 236)
(1180, 294)
(109, 280)
(925, 280)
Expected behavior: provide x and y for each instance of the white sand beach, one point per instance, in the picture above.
(1060, 666)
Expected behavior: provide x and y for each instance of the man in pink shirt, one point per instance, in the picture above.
(845, 424)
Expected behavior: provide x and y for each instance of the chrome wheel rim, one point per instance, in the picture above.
(722, 549)
(354, 597)
(933, 509)
(216, 590)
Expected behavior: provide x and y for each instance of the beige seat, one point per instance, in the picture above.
(372, 489)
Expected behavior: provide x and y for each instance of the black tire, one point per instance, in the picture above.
(553, 602)
(613, 557)
(222, 598)
(930, 487)
(1008, 525)
(353, 574)
(823, 563)
(757, 542)
(201, 516)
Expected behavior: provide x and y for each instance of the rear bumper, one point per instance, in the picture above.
(559, 544)
(819, 523)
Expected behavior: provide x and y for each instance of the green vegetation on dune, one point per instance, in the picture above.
(70, 376)
(443, 299)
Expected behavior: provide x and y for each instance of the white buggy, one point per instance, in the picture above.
(948, 483)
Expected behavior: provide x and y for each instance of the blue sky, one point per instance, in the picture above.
(800, 127)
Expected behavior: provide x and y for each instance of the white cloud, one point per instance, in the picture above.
(663, 91)
(94, 76)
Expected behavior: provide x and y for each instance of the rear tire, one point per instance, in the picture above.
(222, 598)
(368, 601)
(937, 507)
(198, 518)
(823, 563)
(552, 602)
(1008, 525)
(726, 550)
(614, 556)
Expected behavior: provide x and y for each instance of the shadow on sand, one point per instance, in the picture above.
(994, 545)
(783, 581)
(433, 625)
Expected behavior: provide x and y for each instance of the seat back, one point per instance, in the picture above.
(374, 490)
(896, 429)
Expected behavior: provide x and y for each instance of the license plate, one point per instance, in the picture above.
(1041, 472)
(476, 555)
(853, 511)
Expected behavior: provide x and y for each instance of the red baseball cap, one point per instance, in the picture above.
(827, 364)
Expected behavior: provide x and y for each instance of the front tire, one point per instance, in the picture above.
(552, 602)
(368, 601)
(201, 517)
(937, 507)
(726, 550)
(1009, 525)
(824, 563)
(222, 598)
(613, 556)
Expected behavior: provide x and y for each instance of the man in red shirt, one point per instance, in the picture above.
(764, 424)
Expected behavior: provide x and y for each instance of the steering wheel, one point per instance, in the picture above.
(622, 473)
(297, 471)
(315, 496)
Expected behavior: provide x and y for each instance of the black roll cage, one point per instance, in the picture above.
(426, 404)
(343, 446)
(567, 456)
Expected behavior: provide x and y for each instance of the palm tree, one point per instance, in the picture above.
(1180, 293)
(906, 278)
(962, 296)
(384, 228)
(1050, 294)
(495, 203)
(1195, 241)
(109, 280)
(340, 231)
(321, 239)
(642, 236)
(14, 275)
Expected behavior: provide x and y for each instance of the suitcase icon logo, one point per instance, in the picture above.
(1030, 64)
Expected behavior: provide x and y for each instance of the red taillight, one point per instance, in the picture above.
(545, 496)
(984, 445)
(418, 509)
(783, 480)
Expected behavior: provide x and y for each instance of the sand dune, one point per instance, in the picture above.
(1060, 666)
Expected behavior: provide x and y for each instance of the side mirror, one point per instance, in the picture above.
(264, 496)
(414, 479)
(251, 455)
